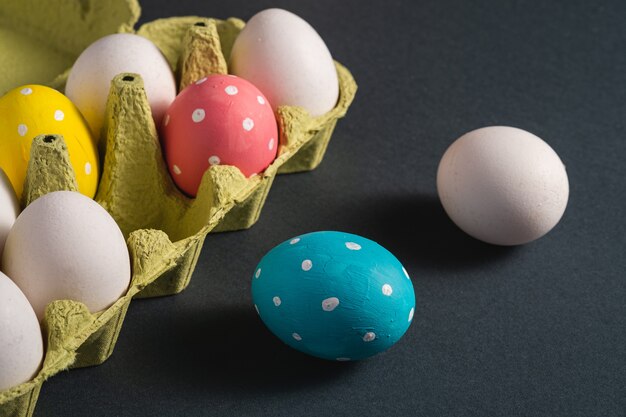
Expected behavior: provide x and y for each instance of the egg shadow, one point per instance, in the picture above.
(229, 349)
(418, 231)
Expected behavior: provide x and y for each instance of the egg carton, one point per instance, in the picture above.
(165, 230)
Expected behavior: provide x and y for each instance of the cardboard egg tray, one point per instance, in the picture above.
(165, 230)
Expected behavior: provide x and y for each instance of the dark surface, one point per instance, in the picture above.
(538, 330)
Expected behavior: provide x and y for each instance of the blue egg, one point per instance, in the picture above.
(334, 295)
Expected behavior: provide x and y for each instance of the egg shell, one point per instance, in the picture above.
(503, 185)
(9, 208)
(66, 246)
(334, 295)
(218, 120)
(32, 110)
(21, 342)
(89, 80)
(286, 58)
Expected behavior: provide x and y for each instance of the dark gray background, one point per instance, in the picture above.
(538, 330)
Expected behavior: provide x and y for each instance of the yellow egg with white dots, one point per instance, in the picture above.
(32, 110)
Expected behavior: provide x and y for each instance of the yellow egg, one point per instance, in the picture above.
(32, 110)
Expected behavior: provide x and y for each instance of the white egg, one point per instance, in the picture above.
(287, 60)
(503, 185)
(9, 208)
(21, 343)
(66, 246)
(89, 81)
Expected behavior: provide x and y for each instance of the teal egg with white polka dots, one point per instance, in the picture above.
(334, 295)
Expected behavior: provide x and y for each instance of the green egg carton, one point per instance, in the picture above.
(165, 230)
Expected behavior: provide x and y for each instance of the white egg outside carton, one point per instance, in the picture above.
(503, 185)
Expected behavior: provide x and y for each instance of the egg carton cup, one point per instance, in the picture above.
(39, 41)
(165, 230)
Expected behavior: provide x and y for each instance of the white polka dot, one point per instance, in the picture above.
(26, 91)
(294, 241)
(201, 80)
(369, 336)
(248, 124)
(387, 290)
(166, 121)
(87, 168)
(330, 304)
(296, 336)
(353, 246)
(276, 301)
(271, 144)
(411, 313)
(260, 99)
(176, 170)
(257, 309)
(406, 274)
(198, 115)
(59, 115)
(307, 265)
(22, 129)
(231, 90)
(343, 359)
(258, 273)
(214, 160)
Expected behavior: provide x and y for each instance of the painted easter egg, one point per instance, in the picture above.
(220, 119)
(287, 59)
(65, 246)
(32, 110)
(334, 295)
(89, 81)
(503, 185)
(21, 343)
(9, 208)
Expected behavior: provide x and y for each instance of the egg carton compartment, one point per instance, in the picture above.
(38, 44)
(165, 230)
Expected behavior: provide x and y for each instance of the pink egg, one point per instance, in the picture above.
(220, 119)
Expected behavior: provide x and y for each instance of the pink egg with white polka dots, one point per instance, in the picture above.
(219, 119)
